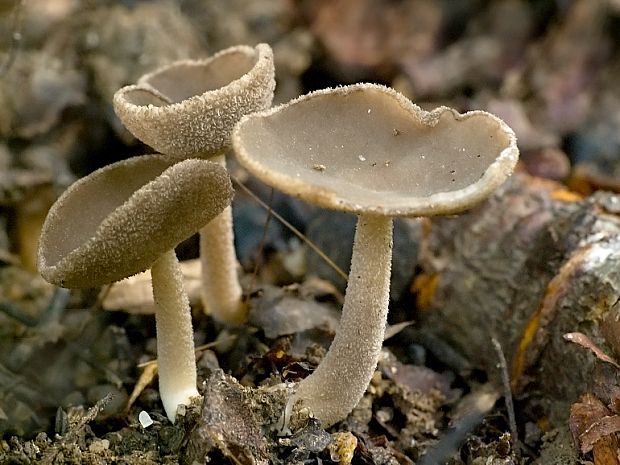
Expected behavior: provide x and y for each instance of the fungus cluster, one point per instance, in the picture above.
(380, 156)
(128, 217)
(188, 110)
(363, 149)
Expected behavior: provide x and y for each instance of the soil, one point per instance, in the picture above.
(503, 342)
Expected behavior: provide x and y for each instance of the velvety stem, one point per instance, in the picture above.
(176, 360)
(341, 379)
(221, 290)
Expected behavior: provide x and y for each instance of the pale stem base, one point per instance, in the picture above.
(176, 360)
(221, 290)
(339, 382)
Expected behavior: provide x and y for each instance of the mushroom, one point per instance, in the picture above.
(188, 109)
(383, 157)
(125, 218)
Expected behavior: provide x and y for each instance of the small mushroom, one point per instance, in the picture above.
(125, 218)
(442, 162)
(188, 109)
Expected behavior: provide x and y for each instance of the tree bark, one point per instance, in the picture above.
(533, 263)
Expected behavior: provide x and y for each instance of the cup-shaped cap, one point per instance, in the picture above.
(366, 148)
(189, 108)
(118, 220)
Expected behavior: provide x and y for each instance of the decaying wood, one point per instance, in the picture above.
(530, 265)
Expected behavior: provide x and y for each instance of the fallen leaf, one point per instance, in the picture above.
(135, 294)
(584, 341)
(146, 378)
(594, 429)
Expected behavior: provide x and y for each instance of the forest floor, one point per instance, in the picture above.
(476, 367)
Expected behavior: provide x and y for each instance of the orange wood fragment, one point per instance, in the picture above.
(565, 195)
(533, 337)
(424, 287)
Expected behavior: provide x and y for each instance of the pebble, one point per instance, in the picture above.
(145, 419)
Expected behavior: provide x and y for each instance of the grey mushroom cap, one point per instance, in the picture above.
(365, 148)
(189, 108)
(117, 221)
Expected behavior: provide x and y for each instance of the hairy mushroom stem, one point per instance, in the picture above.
(221, 290)
(355, 350)
(176, 360)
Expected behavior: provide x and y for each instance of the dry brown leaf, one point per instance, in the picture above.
(600, 431)
(584, 341)
(146, 378)
(594, 429)
(393, 330)
(135, 294)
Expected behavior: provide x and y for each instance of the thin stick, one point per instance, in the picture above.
(293, 229)
(56, 307)
(261, 246)
(503, 366)
(14, 312)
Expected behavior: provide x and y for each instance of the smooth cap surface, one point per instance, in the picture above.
(189, 108)
(366, 148)
(117, 221)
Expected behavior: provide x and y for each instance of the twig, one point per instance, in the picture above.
(56, 307)
(293, 229)
(11, 310)
(503, 366)
(261, 246)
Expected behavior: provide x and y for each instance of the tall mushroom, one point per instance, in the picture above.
(188, 109)
(128, 217)
(368, 150)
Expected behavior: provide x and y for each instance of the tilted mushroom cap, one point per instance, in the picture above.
(189, 108)
(117, 221)
(367, 149)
